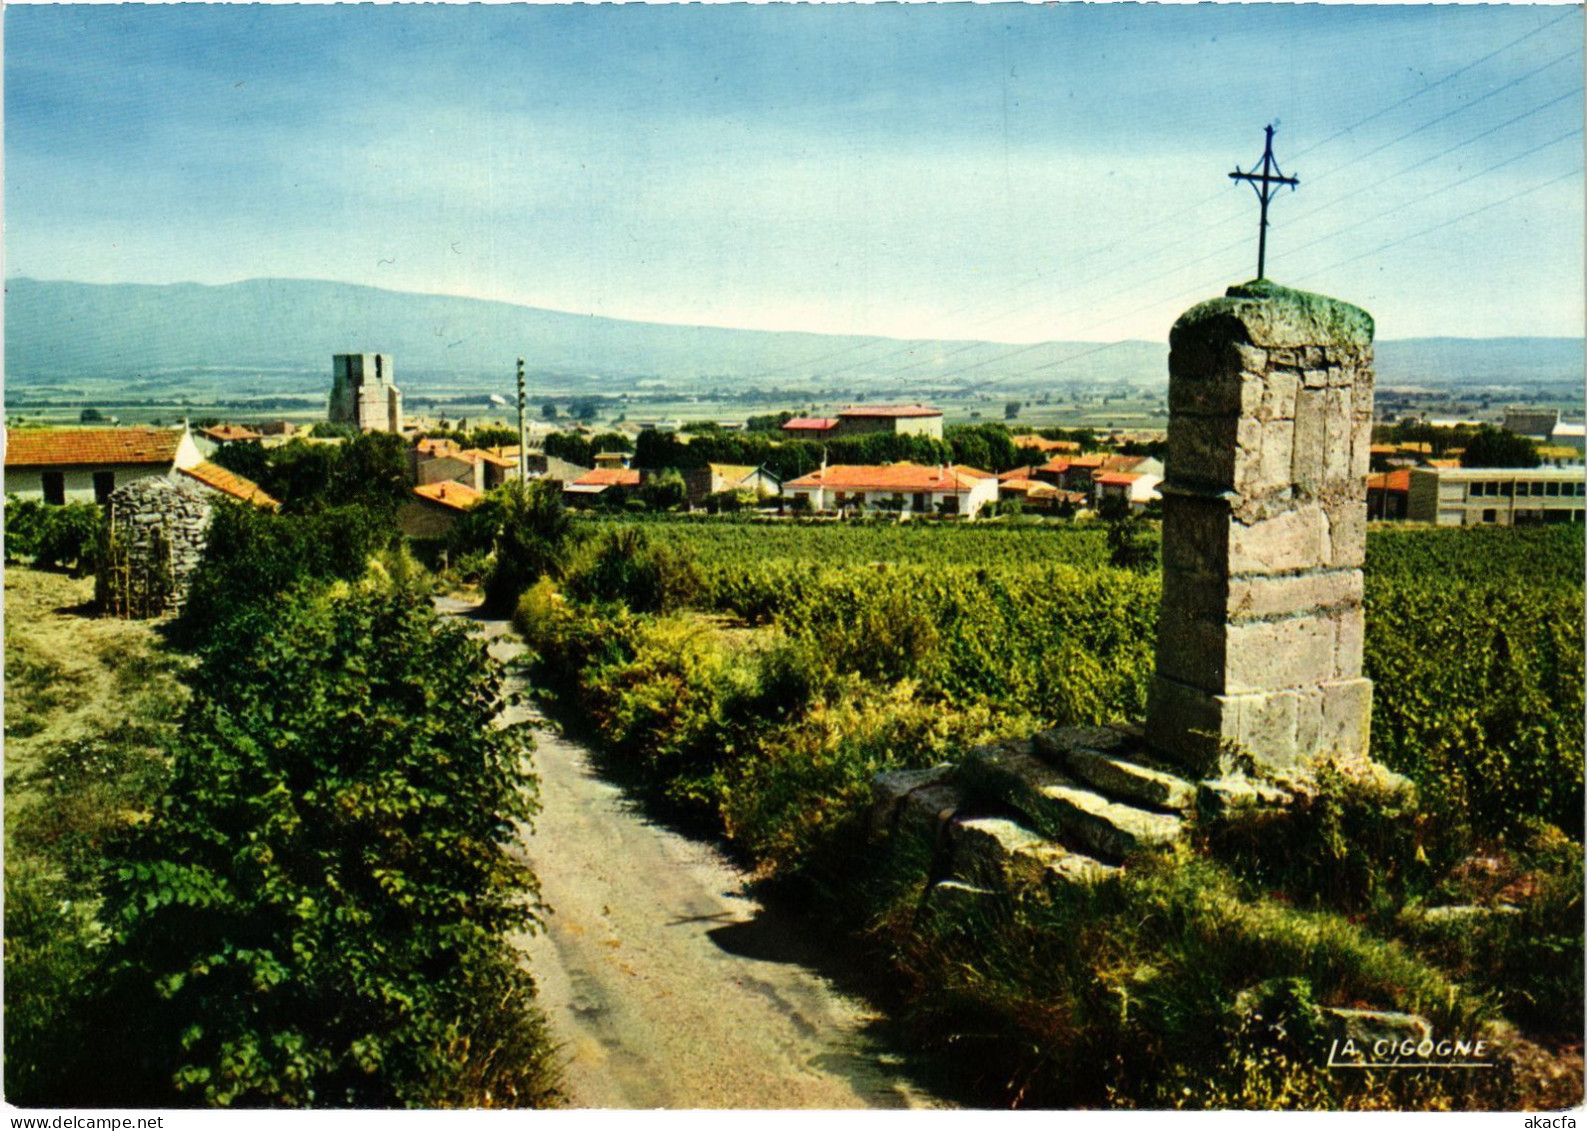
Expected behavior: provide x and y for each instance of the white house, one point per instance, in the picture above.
(60, 465)
(906, 487)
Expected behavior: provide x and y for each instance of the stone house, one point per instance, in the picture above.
(899, 420)
(713, 478)
(908, 488)
(433, 509)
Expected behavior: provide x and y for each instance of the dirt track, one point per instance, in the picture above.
(665, 984)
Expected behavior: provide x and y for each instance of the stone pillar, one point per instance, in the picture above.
(1264, 534)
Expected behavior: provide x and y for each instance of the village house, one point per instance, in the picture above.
(810, 427)
(62, 465)
(1044, 445)
(1134, 487)
(434, 508)
(701, 482)
(906, 487)
(592, 484)
(211, 440)
(897, 420)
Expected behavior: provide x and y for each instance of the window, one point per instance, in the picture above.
(55, 488)
(1553, 489)
(104, 484)
(1507, 489)
(1490, 515)
(921, 503)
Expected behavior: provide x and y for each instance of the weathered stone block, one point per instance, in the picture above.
(1279, 653)
(1338, 433)
(1346, 534)
(1297, 539)
(1352, 625)
(1187, 724)
(1131, 780)
(1255, 596)
(1307, 454)
(1195, 533)
(1202, 448)
(889, 788)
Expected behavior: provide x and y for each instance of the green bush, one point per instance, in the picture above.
(317, 913)
(532, 538)
(61, 537)
(254, 555)
(624, 565)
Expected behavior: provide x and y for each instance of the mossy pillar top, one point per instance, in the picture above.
(1264, 533)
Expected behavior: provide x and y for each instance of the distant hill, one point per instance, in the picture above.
(76, 331)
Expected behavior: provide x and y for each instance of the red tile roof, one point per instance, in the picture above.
(231, 433)
(230, 483)
(475, 455)
(457, 496)
(1117, 478)
(892, 477)
(972, 472)
(1018, 474)
(80, 447)
(1390, 480)
(810, 424)
(608, 477)
(1045, 445)
(440, 446)
(890, 410)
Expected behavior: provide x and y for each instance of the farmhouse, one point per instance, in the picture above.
(897, 419)
(905, 487)
(810, 427)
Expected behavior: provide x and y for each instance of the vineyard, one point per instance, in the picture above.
(752, 678)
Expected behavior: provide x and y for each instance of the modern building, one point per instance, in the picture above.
(363, 392)
(1498, 496)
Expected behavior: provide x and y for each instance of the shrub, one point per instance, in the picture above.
(625, 565)
(316, 914)
(533, 535)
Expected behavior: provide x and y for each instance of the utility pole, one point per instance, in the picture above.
(1263, 182)
(523, 431)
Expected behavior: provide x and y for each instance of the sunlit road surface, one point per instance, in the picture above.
(665, 985)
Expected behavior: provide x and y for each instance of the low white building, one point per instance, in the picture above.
(61, 465)
(906, 487)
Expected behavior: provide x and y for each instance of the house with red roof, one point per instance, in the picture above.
(591, 485)
(809, 427)
(433, 508)
(897, 419)
(909, 488)
(62, 465)
(1389, 494)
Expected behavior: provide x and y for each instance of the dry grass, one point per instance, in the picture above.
(70, 675)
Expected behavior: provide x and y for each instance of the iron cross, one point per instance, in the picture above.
(1263, 181)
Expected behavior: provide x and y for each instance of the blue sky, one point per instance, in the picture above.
(999, 171)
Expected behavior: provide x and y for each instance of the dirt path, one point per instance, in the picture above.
(665, 983)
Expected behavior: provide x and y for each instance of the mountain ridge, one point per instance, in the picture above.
(60, 328)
